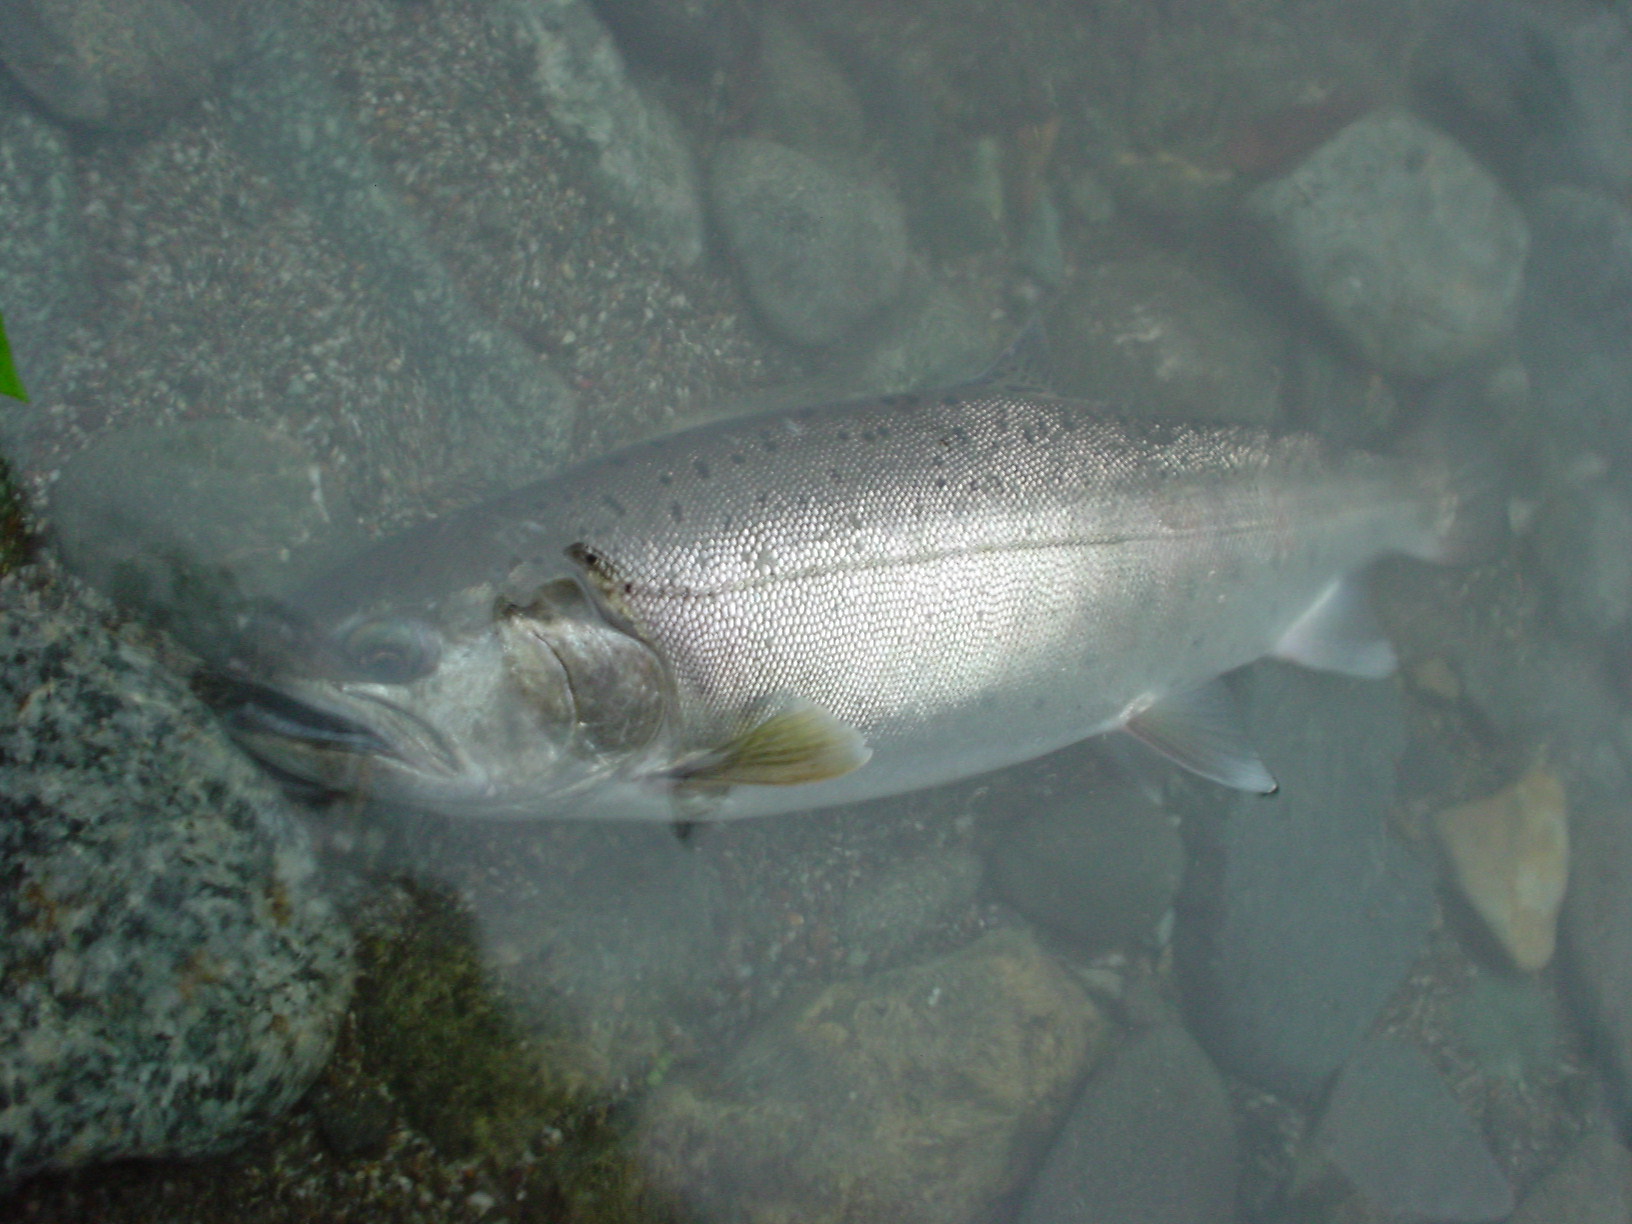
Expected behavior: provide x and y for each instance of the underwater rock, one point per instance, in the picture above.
(883, 919)
(284, 117)
(1151, 336)
(1591, 1185)
(933, 335)
(1152, 1138)
(643, 162)
(1511, 1026)
(804, 102)
(1511, 855)
(1395, 1132)
(180, 523)
(1597, 927)
(1097, 866)
(1574, 318)
(173, 975)
(692, 39)
(902, 1096)
(1412, 250)
(119, 63)
(1582, 540)
(821, 247)
(1301, 914)
(42, 258)
(604, 937)
(1539, 93)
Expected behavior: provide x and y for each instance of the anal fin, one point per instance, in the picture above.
(1200, 730)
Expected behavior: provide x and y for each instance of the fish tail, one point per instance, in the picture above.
(1464, 490)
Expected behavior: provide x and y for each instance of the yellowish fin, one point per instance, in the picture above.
(796, 743)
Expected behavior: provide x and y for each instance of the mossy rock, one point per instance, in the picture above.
(479, 1083)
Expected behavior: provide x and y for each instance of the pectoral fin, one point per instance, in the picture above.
(1339, 633)
(1201, 730)
(796, 743)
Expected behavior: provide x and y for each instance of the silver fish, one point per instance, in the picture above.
(817, 606)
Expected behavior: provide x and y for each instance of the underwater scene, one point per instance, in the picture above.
(815, 611)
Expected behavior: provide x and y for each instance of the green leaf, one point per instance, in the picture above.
(10, 384)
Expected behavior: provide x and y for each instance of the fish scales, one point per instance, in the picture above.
(1055, 565)
(964, 580)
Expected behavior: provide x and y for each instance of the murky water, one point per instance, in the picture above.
(283, 280)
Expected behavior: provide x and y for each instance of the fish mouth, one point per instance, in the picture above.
(311, 729)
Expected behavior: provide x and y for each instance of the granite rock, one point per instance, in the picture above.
(174, 976)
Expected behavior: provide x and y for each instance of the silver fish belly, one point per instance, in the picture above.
(859, 600)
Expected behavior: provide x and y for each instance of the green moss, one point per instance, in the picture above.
(10, 383)
(478, 1084)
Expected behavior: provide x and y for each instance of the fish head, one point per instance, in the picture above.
(499, 700)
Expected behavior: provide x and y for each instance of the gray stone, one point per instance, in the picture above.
(1596, 928)
(1591, 1185)
(608, 936)
(804, 101)
(1574, 318)
(891, 913)
(1397, 1134)
(1411, 249)
(1151, 1138)
(821, 247)
(643, 162)
(1595, 59)
(42, 260)
(1302, 914)
(933, 336)
(690, 39)
(1150, 336)
(1583, 540)
(119, 63)
(900, 1096)
(182, 523)
(174, 976)
(1098, 867)
(514, 416)
(1533, 687)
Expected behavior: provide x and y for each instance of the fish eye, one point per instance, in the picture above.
(391, 651)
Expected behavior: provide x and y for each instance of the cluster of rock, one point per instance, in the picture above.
(174, 973)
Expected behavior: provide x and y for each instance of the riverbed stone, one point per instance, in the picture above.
(1412, 250)
(907, 1096)
(174, 973)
